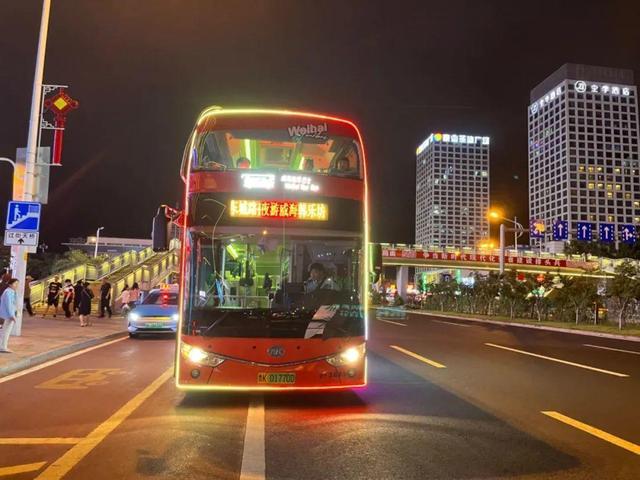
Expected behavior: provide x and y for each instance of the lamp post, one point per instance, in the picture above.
(95, 252)
(518, 230)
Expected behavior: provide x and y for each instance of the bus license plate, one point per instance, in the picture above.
(154, 324)
(277, 378)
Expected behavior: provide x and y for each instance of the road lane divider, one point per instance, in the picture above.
(596, 432)
(18, 469)
(58, 360)
(611, 348)
(418, 357)
(253, 456)
(73, 456)
(40, 441)
(558, 360)
(391, 322)
(450, 323)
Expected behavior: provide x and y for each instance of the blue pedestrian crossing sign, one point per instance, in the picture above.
(23, 216)
(627, 234)
(607, 232)
(585, 231)
(561, 230)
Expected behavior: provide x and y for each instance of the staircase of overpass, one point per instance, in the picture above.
(145, 267)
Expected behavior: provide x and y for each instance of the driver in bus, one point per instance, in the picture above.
(318, 279)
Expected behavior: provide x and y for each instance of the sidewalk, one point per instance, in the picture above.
(47, 338)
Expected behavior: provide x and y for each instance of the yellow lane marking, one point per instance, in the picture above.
(17, 469)
(557, 360)
(596, 432)
(418, 357)
(611, 348)
(40, 441)
(80, 379)
(58, 360)
(66, 462)
(392, 322)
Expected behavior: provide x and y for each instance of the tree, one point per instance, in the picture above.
(581, 293)
(625, 288)
(512, 291)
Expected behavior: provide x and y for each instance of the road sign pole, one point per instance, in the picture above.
(19, 254)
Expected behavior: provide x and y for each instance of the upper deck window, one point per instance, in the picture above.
(277, 149)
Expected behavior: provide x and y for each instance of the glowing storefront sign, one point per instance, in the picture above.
(279, 209)
(264, 181)
(452, 138)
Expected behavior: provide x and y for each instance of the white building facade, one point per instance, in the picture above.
(583, 150)
(452, 190)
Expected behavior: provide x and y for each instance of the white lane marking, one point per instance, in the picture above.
(557, 360)
(450, 323)
(392, 322)
(611, 348)
(57, 360)
(253, 462)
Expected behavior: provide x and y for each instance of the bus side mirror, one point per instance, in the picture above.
(376, 261)
(160, 232)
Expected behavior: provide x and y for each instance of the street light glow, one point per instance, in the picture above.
(495, 214)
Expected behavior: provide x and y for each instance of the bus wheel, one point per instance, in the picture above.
(133, 335)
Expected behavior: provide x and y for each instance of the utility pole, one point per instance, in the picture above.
(95, 252)
(19, 254)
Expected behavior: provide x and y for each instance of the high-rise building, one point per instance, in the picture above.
(583, 150)
(452, 190)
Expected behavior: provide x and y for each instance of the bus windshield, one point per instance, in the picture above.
(261, 286)
(277, 149)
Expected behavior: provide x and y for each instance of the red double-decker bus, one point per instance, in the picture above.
(274, 268)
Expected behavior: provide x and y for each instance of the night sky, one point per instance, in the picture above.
(142, 71)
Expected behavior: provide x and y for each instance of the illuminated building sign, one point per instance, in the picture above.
(452, 138)
(579, 86)
(279, 209)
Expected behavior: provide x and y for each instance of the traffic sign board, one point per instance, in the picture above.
(536, 228)
(561, 230)
(607, 233)
(585, 231)
(627, 234)
(24, 216)
(20, 239)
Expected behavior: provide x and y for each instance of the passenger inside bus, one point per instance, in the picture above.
(343, 167)
(308, 164)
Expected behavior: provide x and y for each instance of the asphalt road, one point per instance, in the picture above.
(454, 400)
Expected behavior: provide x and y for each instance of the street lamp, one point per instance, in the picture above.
(518, 230)
(95, 252)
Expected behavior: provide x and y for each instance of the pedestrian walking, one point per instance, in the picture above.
(53, 296)
(267, 284)
(105, 298)
(134, 295)
(68, 294)
(123, 300)
(27, 295)
(5, 276)
(8, 313)
(77, 291)
(84, 307)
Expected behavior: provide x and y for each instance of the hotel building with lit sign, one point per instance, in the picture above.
(583, 148)
(452, 190)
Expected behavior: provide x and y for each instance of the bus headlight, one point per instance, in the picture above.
(134, 317)
(175, 317)
(350, 356)
(199, 356)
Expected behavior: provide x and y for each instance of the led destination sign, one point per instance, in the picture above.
(279, 209)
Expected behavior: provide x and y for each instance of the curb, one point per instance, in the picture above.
(613, 336)
(43, 357)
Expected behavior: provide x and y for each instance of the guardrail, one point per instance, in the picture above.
(88, 272)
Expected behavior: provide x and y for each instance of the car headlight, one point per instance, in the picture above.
(349, 356)
(175, 317)
(134, 317)
(199, 356)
